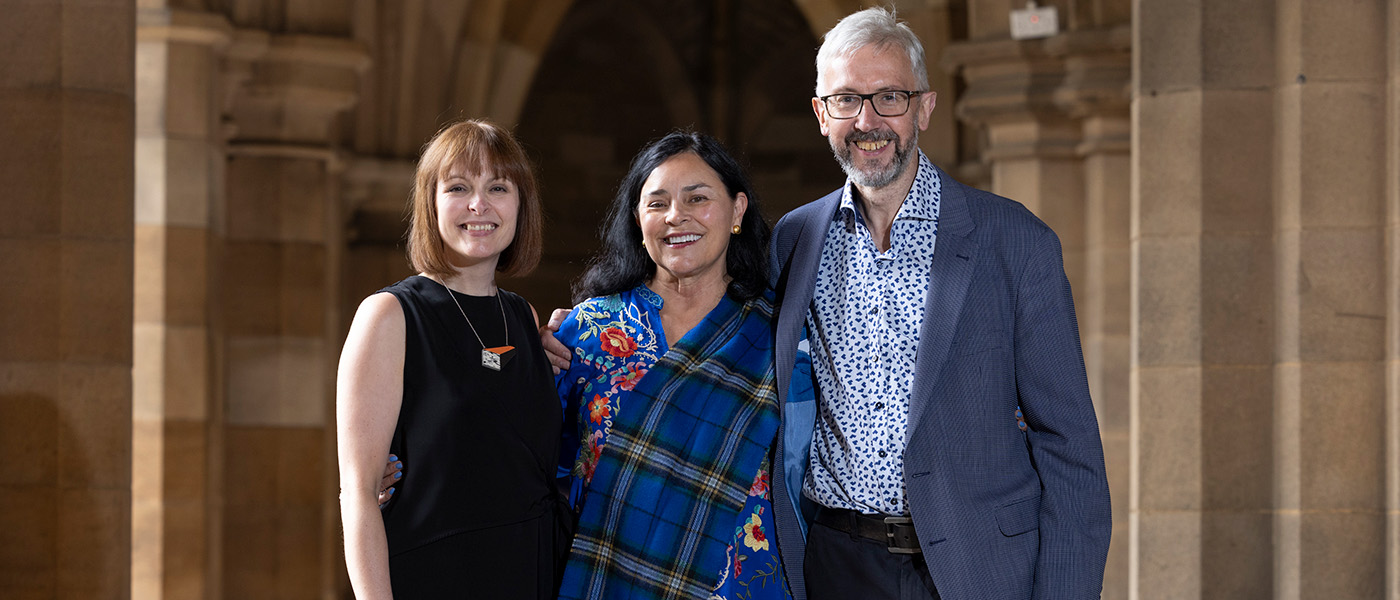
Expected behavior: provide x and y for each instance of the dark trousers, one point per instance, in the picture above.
(840, 566)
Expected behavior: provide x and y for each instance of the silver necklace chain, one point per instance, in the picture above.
(504, 324)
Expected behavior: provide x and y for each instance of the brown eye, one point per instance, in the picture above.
(845, 101)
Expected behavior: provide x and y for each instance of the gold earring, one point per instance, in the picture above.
(644, 243)
(737, 229)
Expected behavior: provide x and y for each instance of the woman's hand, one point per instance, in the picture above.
(393, 472)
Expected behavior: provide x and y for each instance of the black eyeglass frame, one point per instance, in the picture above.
(871, 99)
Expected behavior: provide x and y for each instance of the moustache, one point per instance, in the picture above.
(871, 136)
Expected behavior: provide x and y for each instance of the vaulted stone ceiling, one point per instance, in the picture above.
(586, 83)
(364, 83)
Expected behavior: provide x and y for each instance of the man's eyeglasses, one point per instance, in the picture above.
(889, 103)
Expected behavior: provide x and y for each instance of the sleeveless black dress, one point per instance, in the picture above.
(475, 514)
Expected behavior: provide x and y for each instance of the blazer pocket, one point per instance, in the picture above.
(1020, 516)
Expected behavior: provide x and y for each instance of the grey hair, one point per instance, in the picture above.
(877, 26)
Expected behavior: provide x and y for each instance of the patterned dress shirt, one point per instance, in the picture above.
(864, 326)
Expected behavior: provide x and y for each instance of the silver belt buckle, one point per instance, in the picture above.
(890, 523)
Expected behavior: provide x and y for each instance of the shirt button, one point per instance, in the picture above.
(882, 454)
(879, 405)
(874, 310)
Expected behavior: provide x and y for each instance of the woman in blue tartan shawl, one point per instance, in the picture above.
(672, 388)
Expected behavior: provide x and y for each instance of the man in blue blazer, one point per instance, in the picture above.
(938, 438)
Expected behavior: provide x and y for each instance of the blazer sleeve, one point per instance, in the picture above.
(1063, 433)
(780, 248)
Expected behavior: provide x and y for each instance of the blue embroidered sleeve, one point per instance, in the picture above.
(567, 383)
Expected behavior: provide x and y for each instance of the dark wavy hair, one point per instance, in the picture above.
(623, 263)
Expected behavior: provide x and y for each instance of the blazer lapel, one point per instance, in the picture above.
(954, 259)
(797, 283)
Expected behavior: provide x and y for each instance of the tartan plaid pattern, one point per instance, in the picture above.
(677, 466)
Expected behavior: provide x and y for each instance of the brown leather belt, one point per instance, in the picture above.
(897, 533)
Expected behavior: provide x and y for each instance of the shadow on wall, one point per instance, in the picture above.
(64, 506)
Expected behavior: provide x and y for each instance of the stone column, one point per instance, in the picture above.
(1330, 102)
(1029, 142)
(1392, 248)
(931, 20)
(279, 299)
(67, 113)
(179, 159)
(1202, 388)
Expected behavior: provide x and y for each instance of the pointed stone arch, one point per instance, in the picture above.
(507, 56)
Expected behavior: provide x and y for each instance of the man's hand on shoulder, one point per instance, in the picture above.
(559, 355)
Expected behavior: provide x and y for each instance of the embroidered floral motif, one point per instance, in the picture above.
(598, 409)
(629, 377)
(751, 570)
(754, 537)
(617, 343)
(588, 461)
(760, 486)
(730, 563)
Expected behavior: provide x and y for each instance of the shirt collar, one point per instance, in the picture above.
(921, 203)
(649, 295)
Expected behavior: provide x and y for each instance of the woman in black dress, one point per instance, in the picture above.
(445, 370)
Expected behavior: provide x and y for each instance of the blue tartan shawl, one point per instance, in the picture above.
(678, 463)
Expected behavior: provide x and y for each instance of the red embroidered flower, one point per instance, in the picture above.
(629, 377)
(591, 454)
(760, 484)
(753, 533)
(598, 409)
(617, 342)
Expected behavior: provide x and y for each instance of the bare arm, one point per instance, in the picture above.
(559, 355)
(369, 392)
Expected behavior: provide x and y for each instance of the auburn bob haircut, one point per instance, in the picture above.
(474, 145)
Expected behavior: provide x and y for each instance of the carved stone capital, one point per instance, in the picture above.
(1007, 80)
(290, 88)
(1031, 97)
(1098, 72)
(181, 25)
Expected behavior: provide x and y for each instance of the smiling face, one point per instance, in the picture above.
(476, 215)
(874, 151)
(687, 217)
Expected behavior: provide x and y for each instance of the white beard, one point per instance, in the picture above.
(882, 177)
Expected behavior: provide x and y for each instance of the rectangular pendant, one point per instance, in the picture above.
(503, 355)
(490, 360)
